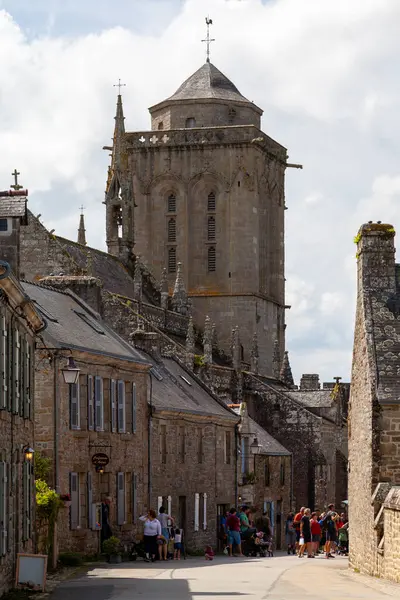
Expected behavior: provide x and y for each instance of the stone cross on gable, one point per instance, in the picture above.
(119, 85)
(16, 185)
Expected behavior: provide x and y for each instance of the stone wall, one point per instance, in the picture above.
(391, 562)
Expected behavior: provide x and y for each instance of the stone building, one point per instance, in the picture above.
(374, 423)
(20, 323)
(104, 413)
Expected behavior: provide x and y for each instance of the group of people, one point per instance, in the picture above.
(160, 535)
(237, 526)
(315, 533)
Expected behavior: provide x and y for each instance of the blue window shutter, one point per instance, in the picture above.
(4, 364)
(27, 501)
(134, 497)
(121, 498)
(27, 379)
(3, 508)
(113, 393)
(134, 408)
(99, 404)
(74, 390)
(90, 402)
(89, 500)
(74, 509)
(121, 406)
(16, 372)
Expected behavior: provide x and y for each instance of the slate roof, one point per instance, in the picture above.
(312, 399)
(72, 324)
(208, 82)
(12, 207)
(180, 392)
(269, 445)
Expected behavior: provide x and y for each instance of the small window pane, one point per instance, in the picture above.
(3, 225)
(211, 201)
(172, 230)
(211, 228)
(172, 203)
(212, 259)
(172, 260)
(190, 122)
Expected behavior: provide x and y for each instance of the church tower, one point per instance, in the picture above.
(208, 186)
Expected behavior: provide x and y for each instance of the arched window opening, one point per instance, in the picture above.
(171, 205)
(172, 260)
(160, 126)
(190, 122)
(211, 201)
(117, 219)
(231, 115)
(172, 230)
(212, 259)
(211, 228)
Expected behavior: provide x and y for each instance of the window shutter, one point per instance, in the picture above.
(121, 498)
(211, 228)
(204, 511)
(211, 201)
(113, 390)
(90, 401)
(27, 495)
(121, 406)
(3, 508)
(196, 511)
(212, 259)
(74, 406)
(134, 408)
(159, 503)
(171, 203)
(172, 230)
(172, 260)
(74, 510)
(134, 497)
(27, 380)
(4, 369)
(16, 373)
(89, 500)
(99, 404)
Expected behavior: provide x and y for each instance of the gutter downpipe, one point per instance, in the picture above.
(291, 481)
(56, 433)
(236, 465)
(149, 436)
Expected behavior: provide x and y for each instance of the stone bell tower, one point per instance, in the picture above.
(208, 186)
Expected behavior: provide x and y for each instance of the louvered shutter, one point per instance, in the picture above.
(113, 391)
(134, 497)
(99, 406)
(90, 401)
(134, 408)
(121, 406)
(204, 511)
(27, 380)
(196, 511)
(159, 503)
(4, 369)
(74, 405)
(120, 498)
(89, 500)
(3, 508)
(27, 498)
(16, 372)
(74, 509)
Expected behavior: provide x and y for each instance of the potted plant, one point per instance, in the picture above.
(66, 499)
(112, 548)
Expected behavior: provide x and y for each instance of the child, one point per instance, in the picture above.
(209, 555)
(177, 544)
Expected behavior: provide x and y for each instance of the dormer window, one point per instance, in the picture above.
(190, 122)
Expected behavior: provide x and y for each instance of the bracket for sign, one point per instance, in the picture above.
(100, 445)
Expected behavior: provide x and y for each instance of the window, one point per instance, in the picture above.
(212, 266)
(182, 443)
(89, 490)
(3, 225)
(211, 202)
(27, 380)
(267, 473)
(211, 228)
(199, 446)
(121, 407)
(113, 394)
(163, 444)
(75, 505)
(4, 364)
(134, 407)
(172, 260)
(190, 122)
(134, 497)
(171, 206)
(98, 404)
(172, 230)
(121, 516)
(282, 472)
(228, 447)
(74, 402)
(231, 115)
(27, 494)
(196, 511)
(91, 322)
(160, 126)
(90, 402)
(204, 511)
(16, 372)
(3, 508)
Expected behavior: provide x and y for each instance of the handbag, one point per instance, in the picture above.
(301, 541)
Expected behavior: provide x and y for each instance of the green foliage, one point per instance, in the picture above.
(391, 230)
(70, 559)
(48, 504)
(42, 466)
(250, 479)
(357, 238)
(199, 360)
(112, 546)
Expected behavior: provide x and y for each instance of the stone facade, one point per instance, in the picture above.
(374, 423)
(19, 323)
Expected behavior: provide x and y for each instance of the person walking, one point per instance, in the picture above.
(290, 534)
(316, 532)
(329, 526)
(233, 525)
(152, 533)
(305, 535)
(296, 525)
(164, 521)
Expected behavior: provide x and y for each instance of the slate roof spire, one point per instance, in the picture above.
(82, 230)
(286, 371)
(180, 297)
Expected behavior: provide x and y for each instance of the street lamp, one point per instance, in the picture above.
(28, 452)
(255, 447)
(70, 372)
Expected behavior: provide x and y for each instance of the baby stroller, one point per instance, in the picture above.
(255, 545)
(343, 539)
(137, 550)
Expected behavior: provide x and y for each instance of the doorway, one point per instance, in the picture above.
(279, 525)
(222, 509)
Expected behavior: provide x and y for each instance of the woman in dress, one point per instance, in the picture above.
(152, 533)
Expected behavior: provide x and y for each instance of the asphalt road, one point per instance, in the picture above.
(278, 578)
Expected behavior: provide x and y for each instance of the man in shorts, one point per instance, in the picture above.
(233, 525)
(296, 524)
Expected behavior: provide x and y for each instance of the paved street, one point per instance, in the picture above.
(278, 578)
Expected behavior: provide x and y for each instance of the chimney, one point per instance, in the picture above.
(86, 287)
(376, 257)
(309, 382)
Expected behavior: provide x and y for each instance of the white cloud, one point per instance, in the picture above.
(325, 73)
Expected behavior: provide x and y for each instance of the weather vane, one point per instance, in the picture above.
(208, 40)
(119, 85)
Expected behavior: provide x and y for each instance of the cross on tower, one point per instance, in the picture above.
(82, 209)
(208, 40)
(119, 85)
(16, 185)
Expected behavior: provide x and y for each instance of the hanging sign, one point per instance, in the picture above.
(100, 459)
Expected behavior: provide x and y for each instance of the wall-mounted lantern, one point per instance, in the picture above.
(70, 372)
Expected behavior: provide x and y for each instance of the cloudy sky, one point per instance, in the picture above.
(326, 74)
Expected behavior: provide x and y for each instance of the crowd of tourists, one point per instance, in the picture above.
(243, 533)
(315, 533)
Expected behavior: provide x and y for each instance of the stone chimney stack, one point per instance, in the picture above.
(376, 257)
(86, 287)
(310, 382)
